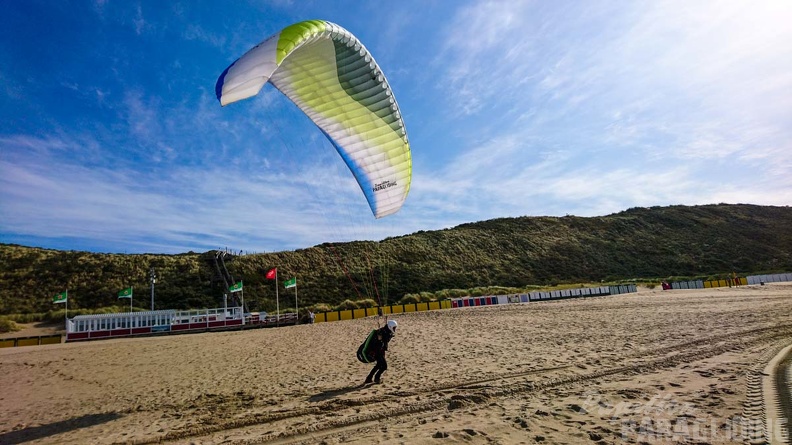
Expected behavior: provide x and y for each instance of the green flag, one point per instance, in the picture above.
(290, 283)
(61, 297)
(126, 293)
(236, 287)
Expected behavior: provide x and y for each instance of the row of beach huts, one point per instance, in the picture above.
(91, 327)
(488, 300)
(729, 282)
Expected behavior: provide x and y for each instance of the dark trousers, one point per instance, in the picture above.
(379, 368)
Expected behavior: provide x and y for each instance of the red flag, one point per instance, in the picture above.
(271, 274)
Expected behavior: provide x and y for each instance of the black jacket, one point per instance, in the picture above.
(379, 344)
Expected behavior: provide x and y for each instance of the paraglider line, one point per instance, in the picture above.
(345, 271)
(373, 280)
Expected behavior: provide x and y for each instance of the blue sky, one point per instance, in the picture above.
(112, 139)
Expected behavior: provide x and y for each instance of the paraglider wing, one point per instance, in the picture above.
(333, 79)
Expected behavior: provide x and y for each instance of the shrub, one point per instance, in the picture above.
(320, 307)
(457, 293)
(27, 318)
(368, 302)
(410, 299)
(346, 305)
(8, 325)
(427, 296)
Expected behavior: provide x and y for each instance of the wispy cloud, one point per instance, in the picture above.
(186, 208)
(653, 98)
(139, 21)
(197, 32)
(513, 108)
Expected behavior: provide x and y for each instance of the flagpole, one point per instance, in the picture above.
(243, 301)
(296, 307)
(277, 302)
(67, 309)
(131, 293)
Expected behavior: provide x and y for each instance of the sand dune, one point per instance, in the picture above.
(649, 367)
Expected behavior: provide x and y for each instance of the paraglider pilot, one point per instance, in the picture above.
(379, 344)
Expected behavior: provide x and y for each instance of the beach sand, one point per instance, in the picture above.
(652, 367)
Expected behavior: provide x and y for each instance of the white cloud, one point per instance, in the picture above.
(186, 209)
(653, 104)
(142, 115)
(513, 108)
(195, 31)
(139, 21)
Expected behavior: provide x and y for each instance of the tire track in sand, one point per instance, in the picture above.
(450, 396)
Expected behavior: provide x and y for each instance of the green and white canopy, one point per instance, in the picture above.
(334, 80)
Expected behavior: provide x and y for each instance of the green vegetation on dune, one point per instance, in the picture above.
(513, 253)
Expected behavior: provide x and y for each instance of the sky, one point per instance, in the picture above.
(112, 138)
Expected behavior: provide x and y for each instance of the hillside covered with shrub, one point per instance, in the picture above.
(640, 243)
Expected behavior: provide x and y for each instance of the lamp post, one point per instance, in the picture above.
(153, 278)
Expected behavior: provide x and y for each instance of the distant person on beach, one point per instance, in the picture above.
(379, 345)
(312, 316)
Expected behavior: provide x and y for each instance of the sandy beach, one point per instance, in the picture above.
(652, 367)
